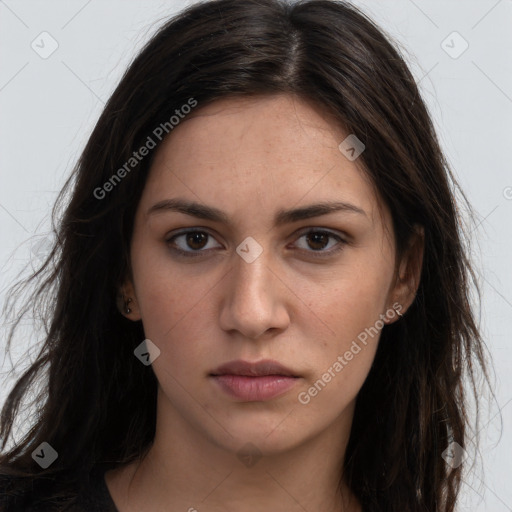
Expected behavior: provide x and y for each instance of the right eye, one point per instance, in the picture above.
(197, 240)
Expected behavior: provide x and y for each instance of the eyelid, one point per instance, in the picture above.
(314, 229)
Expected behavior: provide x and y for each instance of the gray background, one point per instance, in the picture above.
(49, 106)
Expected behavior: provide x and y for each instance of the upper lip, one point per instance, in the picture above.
(256, 369)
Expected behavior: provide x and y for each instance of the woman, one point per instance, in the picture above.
(259, 294)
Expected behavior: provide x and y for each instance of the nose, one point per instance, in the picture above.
(255, 298)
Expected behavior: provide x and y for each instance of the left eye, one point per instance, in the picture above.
(197, 240)
(318, 240)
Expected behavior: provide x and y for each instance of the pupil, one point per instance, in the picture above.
(316, 237)
(195, 237)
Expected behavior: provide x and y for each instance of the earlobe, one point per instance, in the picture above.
(127, 303)
(127, 308)
(393, 314)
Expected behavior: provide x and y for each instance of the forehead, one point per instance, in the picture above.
(268, 152)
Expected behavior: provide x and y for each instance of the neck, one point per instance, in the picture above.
(185, 470)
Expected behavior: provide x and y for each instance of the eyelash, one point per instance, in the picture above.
(316, 254)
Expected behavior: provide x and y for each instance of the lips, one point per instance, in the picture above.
(258, 369)
(254, 382)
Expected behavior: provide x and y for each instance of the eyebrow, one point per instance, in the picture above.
(282, 217)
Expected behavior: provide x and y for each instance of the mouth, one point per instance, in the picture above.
(257, 369)
(254, 382)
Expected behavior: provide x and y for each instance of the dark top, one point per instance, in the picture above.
(93, 496)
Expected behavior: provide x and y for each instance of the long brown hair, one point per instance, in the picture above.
(97, 403)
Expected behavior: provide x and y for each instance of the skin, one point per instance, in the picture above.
(252, 158)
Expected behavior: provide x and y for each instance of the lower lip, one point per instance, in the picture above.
(255, 389)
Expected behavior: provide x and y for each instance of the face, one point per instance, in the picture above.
(252, 283)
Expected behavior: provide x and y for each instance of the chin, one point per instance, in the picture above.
(267, 434)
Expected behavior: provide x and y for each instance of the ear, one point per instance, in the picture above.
(407, 275)
(126, 301)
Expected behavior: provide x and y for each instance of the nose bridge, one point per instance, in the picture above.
(251, 277)
(251, 273)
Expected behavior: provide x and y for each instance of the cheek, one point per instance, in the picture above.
(166, 292)
(336, 387)
(353, 302)
(174, 308)
(350, 306)
(344, 358)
